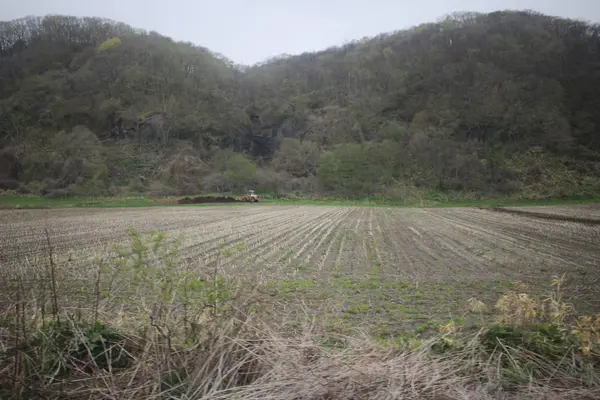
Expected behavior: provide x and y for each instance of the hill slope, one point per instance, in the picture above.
(501, 103)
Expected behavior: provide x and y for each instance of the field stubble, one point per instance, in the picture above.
(386, 269)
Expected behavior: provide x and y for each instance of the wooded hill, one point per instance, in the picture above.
(480, 104)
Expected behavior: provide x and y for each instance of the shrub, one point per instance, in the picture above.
(110, 43)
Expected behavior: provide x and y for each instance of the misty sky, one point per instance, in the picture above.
(248, 31)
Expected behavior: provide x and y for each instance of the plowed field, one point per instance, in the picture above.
(382, 267)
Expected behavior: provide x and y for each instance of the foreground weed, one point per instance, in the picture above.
(545, 328)
(58, 349)
(175, 299)
(144, 289)
(172, 332)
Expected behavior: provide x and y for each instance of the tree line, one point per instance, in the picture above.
(503, 103)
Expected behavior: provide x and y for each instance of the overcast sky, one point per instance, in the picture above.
(248, 31)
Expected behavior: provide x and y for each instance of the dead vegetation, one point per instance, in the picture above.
(293, 303)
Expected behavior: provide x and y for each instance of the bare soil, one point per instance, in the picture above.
(568, 216)
(576, 210)
(379, 268)
(207, 200)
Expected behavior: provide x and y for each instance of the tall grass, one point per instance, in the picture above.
(139, 323)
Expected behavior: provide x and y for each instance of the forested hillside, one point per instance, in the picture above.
(480, 104)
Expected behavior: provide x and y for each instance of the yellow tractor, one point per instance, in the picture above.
(251, 197)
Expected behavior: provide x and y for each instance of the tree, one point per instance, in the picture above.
(240, 172)
(233, 172)
(453, 105)
(353, 169)
(299, 158)
(76, 164)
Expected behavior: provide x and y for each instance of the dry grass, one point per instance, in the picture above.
(251, 360)
(146, 321)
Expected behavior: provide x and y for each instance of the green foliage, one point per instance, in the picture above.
(110, 43)
(354, 169)
(234, 172)
(148, 261)
(455, 107)
(59, 349)
(288, 287)
(155, 281)
(298, 158)
(444, 344)
(239, 170)
(534, 332)
(543, 339)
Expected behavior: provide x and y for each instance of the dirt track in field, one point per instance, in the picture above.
(310, 242)
(591, 211)
(556, 214)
